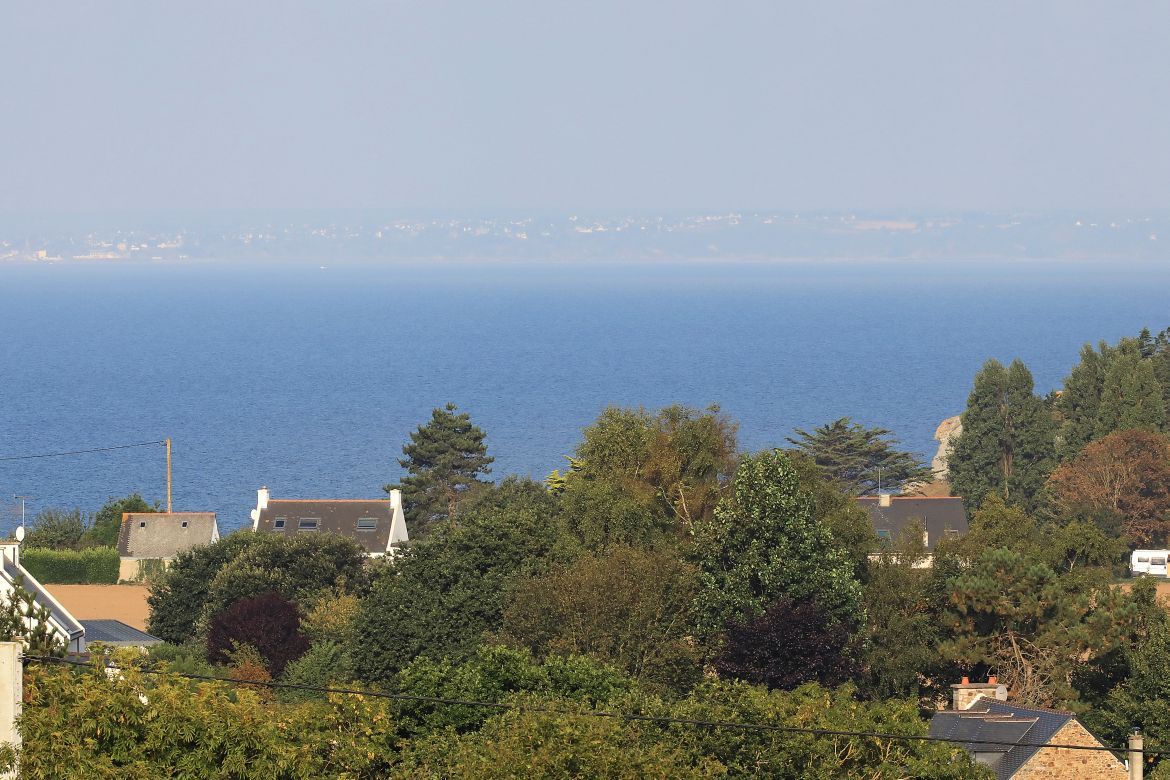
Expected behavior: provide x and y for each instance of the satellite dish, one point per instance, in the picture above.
(19, 533)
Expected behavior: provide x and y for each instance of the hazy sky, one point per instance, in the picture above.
(590, 105)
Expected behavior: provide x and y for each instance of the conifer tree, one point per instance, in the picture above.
(1131, 396)
(1081, 399)
(857, 457)
(445, 459)
(1008, 441)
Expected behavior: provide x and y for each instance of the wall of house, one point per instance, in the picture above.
(1065, 764)
(130, 569)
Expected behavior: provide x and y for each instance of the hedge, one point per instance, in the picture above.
(72, 567)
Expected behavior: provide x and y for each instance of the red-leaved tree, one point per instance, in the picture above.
(788, 645)
(269, 623)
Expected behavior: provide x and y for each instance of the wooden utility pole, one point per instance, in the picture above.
(168, 475)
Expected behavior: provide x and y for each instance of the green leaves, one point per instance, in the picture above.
(763, 543)
(856, 457)
(444, 460)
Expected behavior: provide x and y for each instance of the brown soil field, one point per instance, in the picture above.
(1163, 590)
(115, 602)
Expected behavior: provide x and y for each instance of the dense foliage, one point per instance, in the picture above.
(268, 623)
(94, 565)
(1007, 445)
(860, 460)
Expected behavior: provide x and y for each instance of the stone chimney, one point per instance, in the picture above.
(884, 499)
(964, 694)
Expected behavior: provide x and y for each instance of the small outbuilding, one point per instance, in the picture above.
(117, 634)
(151, 540)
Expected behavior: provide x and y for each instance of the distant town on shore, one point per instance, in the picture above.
(367, 236)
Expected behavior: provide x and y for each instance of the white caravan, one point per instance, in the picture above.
(1151, 562)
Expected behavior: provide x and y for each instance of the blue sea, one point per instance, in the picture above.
(309, 379)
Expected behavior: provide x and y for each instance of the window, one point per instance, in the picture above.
(367, 523)
(278, 522)
(142, 524)
(184, 523)
(885, 534)
(307, 524)
(951, 533)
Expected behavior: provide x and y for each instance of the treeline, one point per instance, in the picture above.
(662, 573)
(1094, 452)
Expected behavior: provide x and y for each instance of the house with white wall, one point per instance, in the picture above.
(378, 525)
(61, 622)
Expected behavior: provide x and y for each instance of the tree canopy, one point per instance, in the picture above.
(763, 544)
(1008, 441)
(860, 459)
(445, 459)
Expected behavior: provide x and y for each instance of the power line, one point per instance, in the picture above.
(83, 452)
(627, 716)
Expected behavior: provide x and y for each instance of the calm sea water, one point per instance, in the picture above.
(309, 380)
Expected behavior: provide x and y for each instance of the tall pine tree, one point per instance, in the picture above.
(1008, 441)
(445, 459)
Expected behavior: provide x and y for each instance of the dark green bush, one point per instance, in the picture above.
(96, 565)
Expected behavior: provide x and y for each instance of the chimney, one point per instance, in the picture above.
(966, 693)
(261, 505)
(884, 499)
(395, 499)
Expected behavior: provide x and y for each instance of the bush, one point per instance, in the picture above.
(269, 623)
(56, 530)
(97, 565)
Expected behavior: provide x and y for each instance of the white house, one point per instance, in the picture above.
(378, 525)
(63, 624)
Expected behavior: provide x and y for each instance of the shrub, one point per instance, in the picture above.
(56, 530)
(97, 565)
(792, 643)
(269, 623)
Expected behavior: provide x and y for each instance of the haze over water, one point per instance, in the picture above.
(309, 380)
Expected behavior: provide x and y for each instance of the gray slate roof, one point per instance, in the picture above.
(117, 633)
(338, 516)
(942, 517)
(164, 534)
(998, 721)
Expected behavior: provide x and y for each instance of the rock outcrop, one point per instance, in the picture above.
(948, 430)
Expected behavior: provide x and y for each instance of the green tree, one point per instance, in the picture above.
(442, 594)
(1080, 400)
(178, 596)
(899, 642)
(55, 529)
(997, 525)
(23, 620)
(674, 463)
(625, 606)
(299, 568)
(445, 459)
(1035, 629)
(1131, 397)
(1008, 441)
(107, 523)
(857, 457)
(836, 510)
(763, 543)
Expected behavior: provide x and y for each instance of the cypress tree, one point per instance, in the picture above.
(1081, 399)
(1131, 396)
(445, 459)
(1008, 441)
